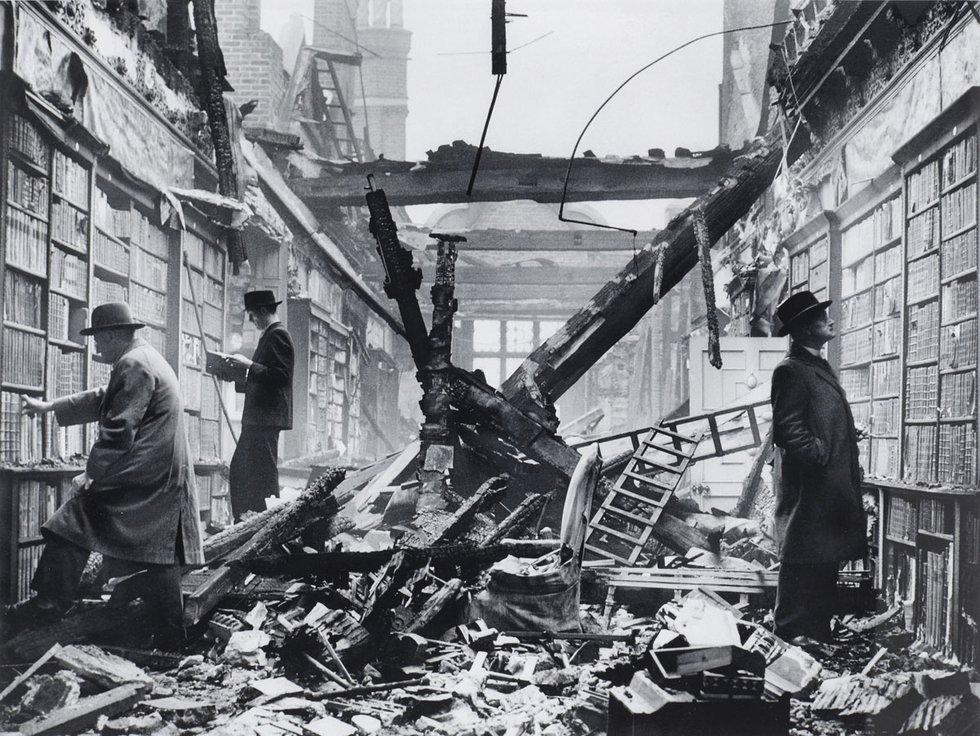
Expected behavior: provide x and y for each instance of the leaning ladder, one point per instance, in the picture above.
(622, 525)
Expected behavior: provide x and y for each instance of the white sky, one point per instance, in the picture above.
(555, 84)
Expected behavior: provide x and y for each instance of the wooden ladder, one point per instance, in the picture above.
(621, 526)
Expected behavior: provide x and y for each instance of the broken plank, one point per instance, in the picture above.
(455, 524)
(316, 502)
(526, 511)
(40, 662)
(439, 600)
(99, 666)
(86, 712)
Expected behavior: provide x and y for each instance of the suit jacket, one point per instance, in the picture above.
(142, 501)
(269, 388)
(819, 511)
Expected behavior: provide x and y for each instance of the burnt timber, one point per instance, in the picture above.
(509, 176)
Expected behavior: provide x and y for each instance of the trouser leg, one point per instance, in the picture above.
(254, 473)
(59, 571)
(805, 597)
(157, 585)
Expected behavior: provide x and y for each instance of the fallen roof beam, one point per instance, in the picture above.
(561, 360)
(519, 177)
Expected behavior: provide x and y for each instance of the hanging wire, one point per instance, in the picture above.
(486, 125)
(571, 159)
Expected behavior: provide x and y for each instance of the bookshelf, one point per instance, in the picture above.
(321, 412)
(941, 353)
(203, 282)
(870, 330)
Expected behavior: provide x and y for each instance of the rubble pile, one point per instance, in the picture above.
(320, 619)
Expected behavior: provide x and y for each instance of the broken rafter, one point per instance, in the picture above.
(561, 360)
(518, 176)
(317, 502)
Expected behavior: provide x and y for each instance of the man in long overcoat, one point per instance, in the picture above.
(136, 502)
(819, 517)
(268, 408)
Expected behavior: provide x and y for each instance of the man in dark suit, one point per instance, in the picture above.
(268, 388)
(819, 515)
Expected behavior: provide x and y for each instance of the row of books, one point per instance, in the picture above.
(190, 388)
(27, 241)
(884, 458)
(958, 347)
(70, 179)
(933, 609)
(959, 160)
(887, 339)
(884, 417)
(114, 221)
(59, 310)
(148, 269)
(920, 454)
(888, 263)
(922, 332)
(23, 357)
(108, 291)
(856, 346)
(971, 538)
(27, 190)
(853, 278)
(883, 225)
(922, 187)
(959, 209)
(888, 298)
(933, 516)
(857, 311)
(147, 304)
(959, 298)
(922, 233)
(37, 500)
(921, 392)
(210, 402)
(22, 299)
(20, 436)
(959, 254)
(886, 377)
(203, 437)
(66, 371)
(27, 139)
(69, 225)
(69, 274)
(191, 351)
(958, 394)
(27, 558)
(67, 442)
(923, 278)
(110, 253)
(856, 382)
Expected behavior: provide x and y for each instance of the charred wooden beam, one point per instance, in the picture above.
(84, 714)
(435, 435)
(213, 74)
(526, 512)
(528, 177)
(76, 627)
(562, 359)
(433, 607)
(317, 502)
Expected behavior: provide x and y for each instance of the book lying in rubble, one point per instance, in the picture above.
(221, 365)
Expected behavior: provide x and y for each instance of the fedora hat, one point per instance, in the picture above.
(111, 315)
(260, 298)
(795, 307)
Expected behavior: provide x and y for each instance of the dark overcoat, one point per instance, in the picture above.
(269, 388)
(142, 501)
(819, 512)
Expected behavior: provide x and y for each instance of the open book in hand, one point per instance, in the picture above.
(221, 365)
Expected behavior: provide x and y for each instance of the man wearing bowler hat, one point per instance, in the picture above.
(136, 502)
(819, 517)
(268, 409)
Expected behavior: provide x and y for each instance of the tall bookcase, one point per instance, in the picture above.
(870, 330)
(320, 379)
(930, 534)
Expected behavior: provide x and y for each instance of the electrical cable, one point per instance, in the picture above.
(486, 125)
(571, 159)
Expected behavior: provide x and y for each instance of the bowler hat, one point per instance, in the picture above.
(796, 307)
(260, 298)
(109, 316)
